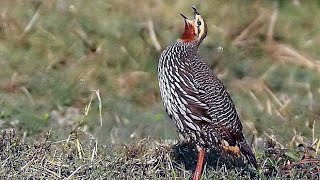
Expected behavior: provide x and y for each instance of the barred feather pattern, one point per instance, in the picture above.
(197, 101)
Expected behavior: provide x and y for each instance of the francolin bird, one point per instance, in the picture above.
(196, 100)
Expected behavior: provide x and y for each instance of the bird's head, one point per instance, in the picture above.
(195, 29)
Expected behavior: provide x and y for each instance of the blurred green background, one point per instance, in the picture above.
(55, 53)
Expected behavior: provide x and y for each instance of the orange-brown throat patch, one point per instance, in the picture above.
(189, 33)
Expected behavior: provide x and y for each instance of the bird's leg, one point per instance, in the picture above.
(200, 162)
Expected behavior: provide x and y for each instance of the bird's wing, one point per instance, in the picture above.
(179, 93)
(213, 94)
(198, 96)
(194, 107)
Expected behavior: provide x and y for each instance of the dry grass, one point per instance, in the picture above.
(82, 156)
(71, 52)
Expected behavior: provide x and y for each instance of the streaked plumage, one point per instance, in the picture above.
(195, 98)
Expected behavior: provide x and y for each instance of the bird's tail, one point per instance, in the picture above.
(247, 152)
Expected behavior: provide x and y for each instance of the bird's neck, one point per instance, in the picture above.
(193, 43)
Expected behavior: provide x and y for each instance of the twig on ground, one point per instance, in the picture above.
(74, 172)
(273, 19)
(33, 20)
(240, 39)
(28, 94)
(153, 36)
(100, 105)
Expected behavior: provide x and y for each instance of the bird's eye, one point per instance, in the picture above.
(198, 23)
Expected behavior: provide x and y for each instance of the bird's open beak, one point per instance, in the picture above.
(195, 11)
(184, 17)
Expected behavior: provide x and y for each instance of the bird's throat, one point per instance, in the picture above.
(188, 34)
